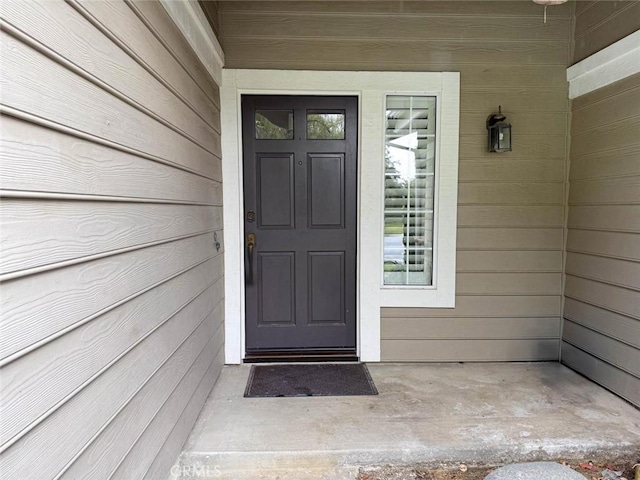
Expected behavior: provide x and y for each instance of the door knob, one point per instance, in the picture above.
(251, 243)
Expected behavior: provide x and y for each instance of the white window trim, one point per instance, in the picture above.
(371, 88)
(442, 292)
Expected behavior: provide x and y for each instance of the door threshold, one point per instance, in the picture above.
(286, 357)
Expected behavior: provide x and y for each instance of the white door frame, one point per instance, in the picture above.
(370, 88)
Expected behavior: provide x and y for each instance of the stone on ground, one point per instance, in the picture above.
(535, 471)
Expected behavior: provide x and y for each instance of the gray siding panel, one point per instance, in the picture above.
(601, 337)
(65, 163)
(182, 427)
(511, 207)
(602, 372)
(64, 30)
(121, 442)
(620, 327)
(95, 344)
(68, 99)
(92, 288)
(600, 23)
(70, 230)
(111, 331)
(480, 350)
(150, 46)
(113, 390)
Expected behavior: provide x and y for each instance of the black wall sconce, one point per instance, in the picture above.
(499, 132)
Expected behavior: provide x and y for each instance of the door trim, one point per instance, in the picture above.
(370, 88)
(231, 122)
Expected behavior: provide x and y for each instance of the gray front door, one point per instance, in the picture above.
(300, 191)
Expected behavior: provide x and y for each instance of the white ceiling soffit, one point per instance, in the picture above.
(192, 22)
(616, 62)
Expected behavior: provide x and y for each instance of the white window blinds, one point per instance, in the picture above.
(409, 179)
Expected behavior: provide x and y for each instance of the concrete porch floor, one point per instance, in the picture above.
(424, 414)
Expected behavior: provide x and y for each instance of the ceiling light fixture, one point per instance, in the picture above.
(546, 3)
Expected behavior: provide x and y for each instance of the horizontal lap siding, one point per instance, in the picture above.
(600, 23)
(112, 289)
(511, 214)
(601, 336)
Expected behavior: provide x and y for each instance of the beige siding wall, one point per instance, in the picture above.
(601, 336)
(111, 330)
(511, 213)
(600, 23)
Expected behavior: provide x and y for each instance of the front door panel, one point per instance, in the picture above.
(300, 193)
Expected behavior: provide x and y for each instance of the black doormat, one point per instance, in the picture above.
(309, 380)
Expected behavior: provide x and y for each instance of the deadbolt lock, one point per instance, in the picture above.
(251, 216)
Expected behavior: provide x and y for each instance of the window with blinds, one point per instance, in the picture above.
(410, 144)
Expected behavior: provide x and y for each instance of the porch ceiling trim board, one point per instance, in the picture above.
(193, 24)
(616, 62)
